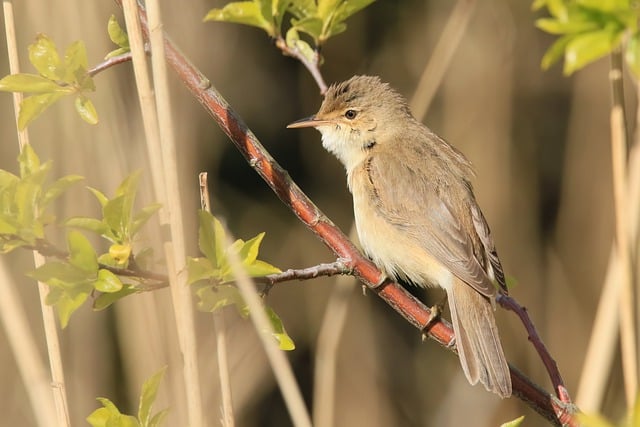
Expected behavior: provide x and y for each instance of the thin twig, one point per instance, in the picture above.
(552, 368)
(58, 388)
(227, 419)
(312, 66)
(108, 63)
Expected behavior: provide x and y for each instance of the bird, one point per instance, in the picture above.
(416, 215)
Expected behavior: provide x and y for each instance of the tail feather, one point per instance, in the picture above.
(477, 339)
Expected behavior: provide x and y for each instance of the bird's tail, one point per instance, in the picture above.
(477, 339)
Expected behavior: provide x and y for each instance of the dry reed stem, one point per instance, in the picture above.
(48, 316)
(163, 167)
(219, 326)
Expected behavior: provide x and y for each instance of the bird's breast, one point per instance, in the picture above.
(396, 253)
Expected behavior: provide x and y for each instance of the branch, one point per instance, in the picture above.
(108, 63)
(509, 303)
(292, 196)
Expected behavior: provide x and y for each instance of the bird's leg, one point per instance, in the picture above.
(436, 312)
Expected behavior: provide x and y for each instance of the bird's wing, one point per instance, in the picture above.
(421, 207)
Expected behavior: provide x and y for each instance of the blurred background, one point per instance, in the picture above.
(539, 142)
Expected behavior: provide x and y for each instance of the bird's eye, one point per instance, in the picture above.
(351, 114)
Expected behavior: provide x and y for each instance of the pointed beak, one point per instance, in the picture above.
(308, 122)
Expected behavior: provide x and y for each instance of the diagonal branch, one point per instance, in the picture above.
(292, 196)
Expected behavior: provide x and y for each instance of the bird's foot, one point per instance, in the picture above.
(434, 317)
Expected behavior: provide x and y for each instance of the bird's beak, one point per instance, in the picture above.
(308, 122)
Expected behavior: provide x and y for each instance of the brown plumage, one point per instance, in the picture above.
(416, 215)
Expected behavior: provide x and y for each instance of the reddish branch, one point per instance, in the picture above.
(292, 196)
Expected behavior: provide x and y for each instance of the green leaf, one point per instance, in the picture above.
(33, 106)
(632, 54)
(44, 56)
(28, 160)
(117, 217)
(117, 35)
(260, 268)
(200, 269)
(31, 83)
(554, 26)
(555, 52)
(57, 188)
(242, 12)
(211, 238)
(129, 186)
(586, 48)
(311, 25)
(99, 417)
(279, 333)
(303, 8)
(58, 271)
(558, 9)
(105, 300)
(75, 62)
(349, 8)
(214, 297)
(89, 224)
(6, 227)
(86, 110)
(81, 253)
(593, 420)
(605, 5)
(148, 396)
(158, 418)
(294, 42)
(513, 423)
(102, 199)
(107, 282)
(143, 216)
(117, 52)
(69, 302)
(248, 252)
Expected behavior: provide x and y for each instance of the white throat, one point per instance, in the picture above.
(347, 145)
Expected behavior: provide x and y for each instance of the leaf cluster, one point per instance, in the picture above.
(110, 416)
(24, 201)
(213, 273)
(589, 30)
(319, 20)
(57, 77)
(82, 272)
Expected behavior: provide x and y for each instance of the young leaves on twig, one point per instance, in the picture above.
(24, 201)
(57, 77)
(589, 30)
(72, 280)
(318, 19)
(119, 223)
(118, 36)
(213, 274)
(110, 416)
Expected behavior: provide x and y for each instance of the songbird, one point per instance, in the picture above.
(416, 215)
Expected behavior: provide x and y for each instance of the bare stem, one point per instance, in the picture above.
(108, 63)
(312, 66)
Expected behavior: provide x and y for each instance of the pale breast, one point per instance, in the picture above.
(395, 253)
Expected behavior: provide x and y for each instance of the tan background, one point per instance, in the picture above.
(539, 142)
